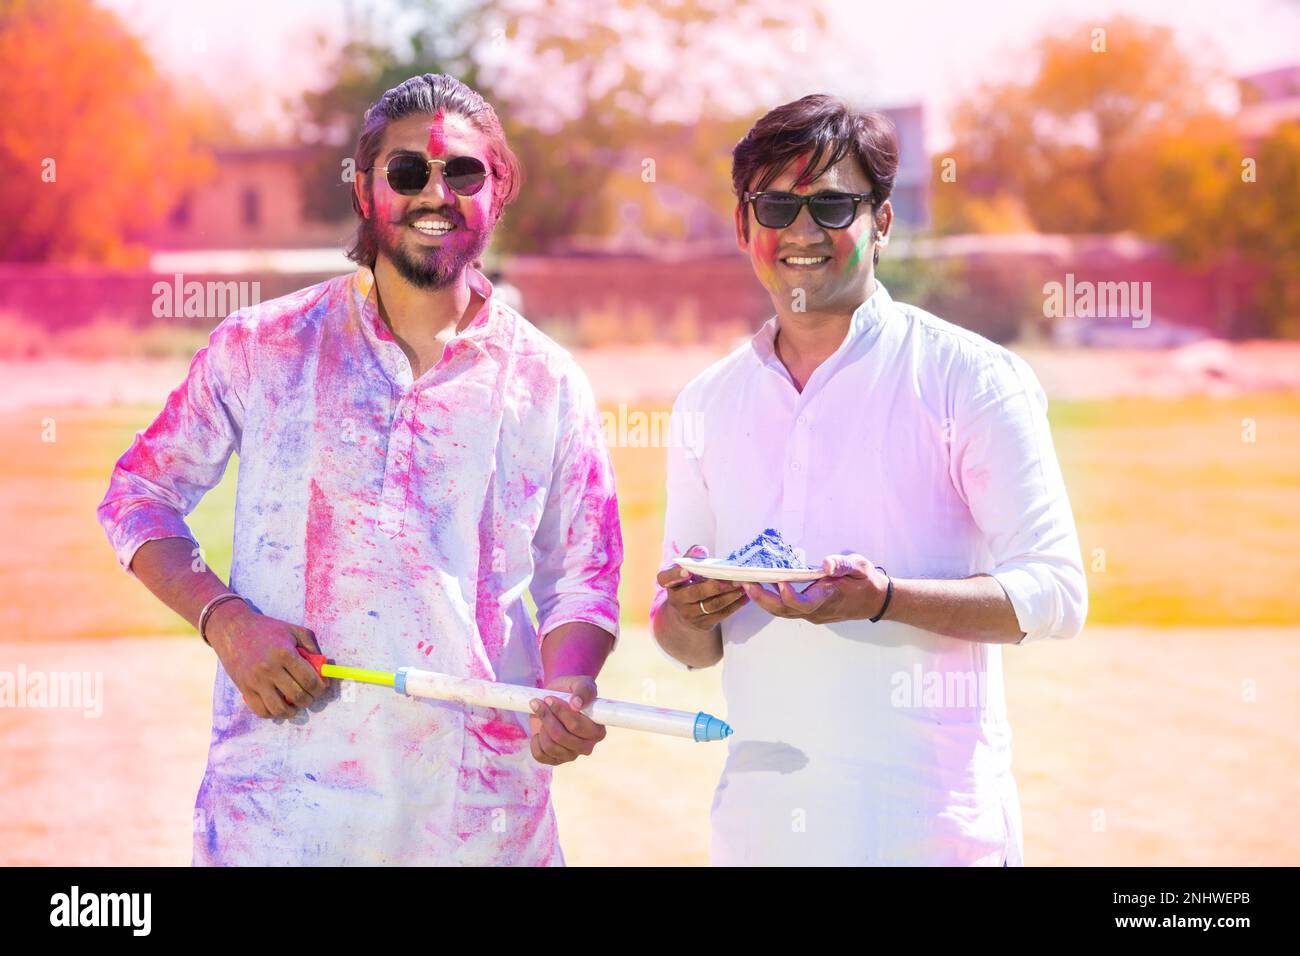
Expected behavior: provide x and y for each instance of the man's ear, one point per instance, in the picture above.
(359, 194)
(885, 215)
(742, 221)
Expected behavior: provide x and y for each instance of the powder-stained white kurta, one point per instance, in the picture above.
(926, 448)
(403, 523)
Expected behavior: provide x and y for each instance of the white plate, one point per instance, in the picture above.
(720, 570)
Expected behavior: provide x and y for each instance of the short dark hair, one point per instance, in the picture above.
(430, 93)
(828, 129)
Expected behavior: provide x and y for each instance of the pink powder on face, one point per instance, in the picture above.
(437, 144)
(765, 256)
(797, 167)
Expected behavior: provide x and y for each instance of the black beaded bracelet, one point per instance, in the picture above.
(889, 595)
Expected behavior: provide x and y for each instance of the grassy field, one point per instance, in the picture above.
(1181, 521)
(1137, 743)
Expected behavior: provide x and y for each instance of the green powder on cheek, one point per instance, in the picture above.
(859, 248)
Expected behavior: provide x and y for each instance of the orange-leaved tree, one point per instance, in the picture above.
(1067, 147)
(94, 148)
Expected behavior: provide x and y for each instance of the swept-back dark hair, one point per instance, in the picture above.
(828, 130)
(430, 93)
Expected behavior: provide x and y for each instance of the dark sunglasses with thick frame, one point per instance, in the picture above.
(830, 210)
(408, 174)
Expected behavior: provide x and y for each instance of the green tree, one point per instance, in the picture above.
(363, 68)
(621, 108)
(587, 94)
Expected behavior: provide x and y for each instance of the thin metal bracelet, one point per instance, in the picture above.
(209, 608)
(889, 595)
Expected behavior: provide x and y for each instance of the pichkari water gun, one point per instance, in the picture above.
(485, 693)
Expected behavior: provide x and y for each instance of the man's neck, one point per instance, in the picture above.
(423, 320)
(806, 339)
(421, 314)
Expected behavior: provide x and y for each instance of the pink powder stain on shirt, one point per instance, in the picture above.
(600, 506)
(320, 555)
(500, 735)
(352, 737)
(350, 773)
(503, 727)
(975, 480)
(488, 617)
(151, 458)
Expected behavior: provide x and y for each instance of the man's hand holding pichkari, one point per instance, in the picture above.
(572, 654)
(259, 654)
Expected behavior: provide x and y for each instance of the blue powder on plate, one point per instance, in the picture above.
(767, 551)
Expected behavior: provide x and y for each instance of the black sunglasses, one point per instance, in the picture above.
(830, 210)
(408, 174)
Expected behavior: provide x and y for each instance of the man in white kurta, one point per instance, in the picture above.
(925, 448)
(403, 523)
(415, 460)
(858, 742)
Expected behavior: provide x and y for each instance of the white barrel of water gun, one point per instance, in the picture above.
(518, 698)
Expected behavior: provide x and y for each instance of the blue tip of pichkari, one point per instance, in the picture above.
(708, 727)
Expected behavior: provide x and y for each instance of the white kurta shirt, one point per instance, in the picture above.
(924, 447)
(403, 523)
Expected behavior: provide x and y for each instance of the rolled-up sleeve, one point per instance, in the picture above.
(1004, 465)
(688, 517)
(183, 453)
(578, 547)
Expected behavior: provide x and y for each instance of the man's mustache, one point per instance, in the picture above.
(445, 213)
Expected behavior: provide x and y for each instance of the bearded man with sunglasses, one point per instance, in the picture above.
(911, 460)
(414, 458)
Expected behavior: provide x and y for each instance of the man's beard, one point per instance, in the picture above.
(435, 267)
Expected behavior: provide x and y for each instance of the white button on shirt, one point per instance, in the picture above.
(403, 522)
(925, 448)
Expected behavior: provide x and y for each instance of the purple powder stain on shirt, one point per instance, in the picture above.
(768, 550)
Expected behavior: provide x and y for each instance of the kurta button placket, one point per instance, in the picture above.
(796, 478)
(397, 467)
